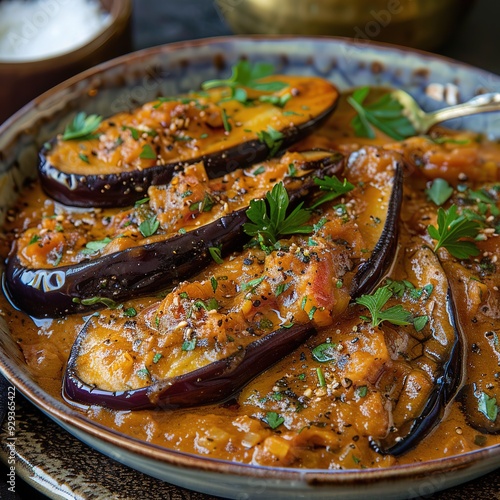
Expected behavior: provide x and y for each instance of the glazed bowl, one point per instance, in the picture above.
(24, 80)
(127, 81)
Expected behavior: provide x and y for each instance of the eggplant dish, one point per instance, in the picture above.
(248, 273)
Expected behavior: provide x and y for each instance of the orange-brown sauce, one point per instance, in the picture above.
(323, 426)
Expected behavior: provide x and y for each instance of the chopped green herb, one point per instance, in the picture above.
(311, 312)
(273, 419)
(292, 170)
(289, 112)
(149, 226)
(83, 157)
(157, 357)
(189, 345)
(272, 138)
(282, 287)
(311, 243)
(143, 373)
(184, 295)
(147, 152)
(386, 114)
(203, 136)
(216, 254)
(95, 246)
(130, 312)
(488, 406)
(134, 132)
(396, 315)
(324, 352)
(259, 170)
(419, 322)
(276, 100)
(439, 192)
(362, 391)
(248, 75)
(450, 231)
(186, 193)
(252, 284)
(82, 127)
(203, 206)
(140, 202)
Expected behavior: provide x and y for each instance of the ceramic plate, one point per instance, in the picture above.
(135, 78)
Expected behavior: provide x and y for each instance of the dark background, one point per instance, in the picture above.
(476, 40)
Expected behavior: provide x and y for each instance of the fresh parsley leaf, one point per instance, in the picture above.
(188, 345)
(386, 114)
(324, 352)
(272, 138)
(147, 152)
(214, 283)
(269, 220)
(273, 419)
(94, 246)
(247, 75)
(488, 406)
(450, 232)
(334, 187)
(439, 192)
(420, 322)
(362, 391)
(130, 312)
(149, 226)
(157, 357)
(140, 202)
(396, 315)
(321, 377)
(82, 127)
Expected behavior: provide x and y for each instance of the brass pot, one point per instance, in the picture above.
(424, 24)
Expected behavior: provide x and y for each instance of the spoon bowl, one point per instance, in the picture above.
(423, 121)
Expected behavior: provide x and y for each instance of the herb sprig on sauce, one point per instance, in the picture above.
(269, 219)
(386, 115)
(82, 127)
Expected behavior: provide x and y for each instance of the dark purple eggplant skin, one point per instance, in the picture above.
(125, 188)
(447, 386)
(132, 272)
(213, 383)
(370, 273)
(141, 270)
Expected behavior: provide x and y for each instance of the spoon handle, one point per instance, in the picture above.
(479, 104)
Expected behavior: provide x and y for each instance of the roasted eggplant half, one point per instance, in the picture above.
(114, 162)
(207, 328)
(425, 372)
(194, 217)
